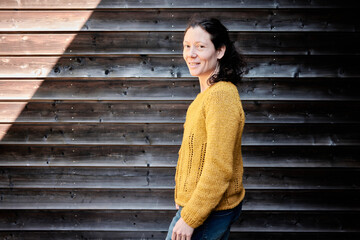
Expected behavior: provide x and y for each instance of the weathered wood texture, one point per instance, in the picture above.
(121, 4)
(126, 220)
(93, 97)
(246, 235)
(166, 110)
(173, 66)
(258, 20)
(170, 134)
(144, 199)
(320, 89)
(110, 43)
(166, 156)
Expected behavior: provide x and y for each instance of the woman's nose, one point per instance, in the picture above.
(192, 52)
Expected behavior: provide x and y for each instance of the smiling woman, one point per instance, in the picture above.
(209, 188)
(200, 54)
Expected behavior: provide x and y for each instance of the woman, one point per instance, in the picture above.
(209, 189)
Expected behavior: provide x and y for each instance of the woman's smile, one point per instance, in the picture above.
(199, 53)
(193, 64)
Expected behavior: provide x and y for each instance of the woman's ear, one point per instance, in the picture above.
(221, 52)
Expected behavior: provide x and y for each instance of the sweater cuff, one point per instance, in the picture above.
(191, 217)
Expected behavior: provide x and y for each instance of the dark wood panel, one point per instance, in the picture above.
(301, 178)
(311, 222)
(113, 220)
(96, 156)
(301, 200)
(163, 20)
(155, 199)
(174, 111)
(108, 43)
(161, 66)
(129, 199)
(176, 89)
(299, 156)
(296, 235)
(95, 112)
(312, 111)
(94, 134)
(71, 235)
(137, 234)
(98, 178)
(167, 156)
(113, 4)
(171, 134)
(163, 178)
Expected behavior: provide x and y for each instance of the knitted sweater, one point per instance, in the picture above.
(209, 170)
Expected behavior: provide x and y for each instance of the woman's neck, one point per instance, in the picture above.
(203, 85)
(204, 80)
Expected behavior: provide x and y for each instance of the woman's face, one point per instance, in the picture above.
(199, 52)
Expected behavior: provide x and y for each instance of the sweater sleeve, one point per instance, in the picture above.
(222, 120)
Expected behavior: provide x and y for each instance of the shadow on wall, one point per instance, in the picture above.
(58, 71)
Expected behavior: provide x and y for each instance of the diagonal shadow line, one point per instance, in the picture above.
(14, 108)
(38, 129)
(39, 123)
(48, 118)
(53, 75)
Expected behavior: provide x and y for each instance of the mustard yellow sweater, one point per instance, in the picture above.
(209, 170)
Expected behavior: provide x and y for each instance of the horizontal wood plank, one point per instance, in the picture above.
(176, 89)
(109, 43)
(163, 178)
(71, 235)
(155, 199)
(174, 111)
(160, 235)
(113, 220)
(173, 66)
(96, 156)
(296, 235)
(171, 134)
(162, 20)
(167, 156)
(111, 4)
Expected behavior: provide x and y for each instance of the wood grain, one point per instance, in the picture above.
(162, 199)
(167, 156)
(114, 220)
(175, 89)
(258, 20)
(171, 134)
(170, 111)
(173, 67)
(138, 234)
(93, 96)
(163, 178)
(162, 43)
(111, 4)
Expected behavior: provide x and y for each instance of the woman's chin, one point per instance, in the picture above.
(194, 74)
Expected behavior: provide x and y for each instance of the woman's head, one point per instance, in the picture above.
(206, 46)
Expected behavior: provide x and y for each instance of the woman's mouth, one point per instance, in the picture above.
(193, 64)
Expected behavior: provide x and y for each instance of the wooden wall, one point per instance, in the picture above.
(94, 94)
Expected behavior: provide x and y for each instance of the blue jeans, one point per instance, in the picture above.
(216, 226)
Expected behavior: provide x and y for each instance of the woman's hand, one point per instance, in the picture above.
(182, 231)
(177, 206)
